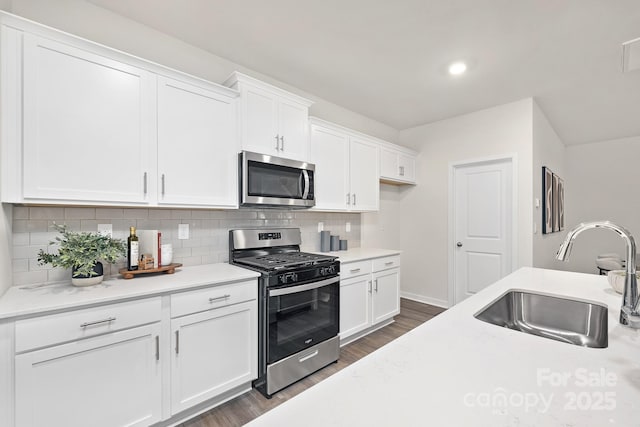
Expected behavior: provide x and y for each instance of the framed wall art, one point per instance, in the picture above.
(547, 200)
(552, 202)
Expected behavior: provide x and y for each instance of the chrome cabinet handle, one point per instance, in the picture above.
(177, 342)
(277, 145)
(162, 185)
(369, 286)
(97, 322)
(459, 244)
(223, 297)
(355, 270)
(388, 263)
(145, 184)
(348, 198)
(282, 143)
(376, 287)
(354, 199)
(157, 347)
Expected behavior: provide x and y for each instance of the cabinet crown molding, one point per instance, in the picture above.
(313, 120)
(238, 77)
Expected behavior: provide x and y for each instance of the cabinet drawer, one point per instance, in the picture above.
(73, 325)
(213, 297)
(392, 261)
(354, 269)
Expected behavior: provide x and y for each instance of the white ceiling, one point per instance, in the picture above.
(387, 59)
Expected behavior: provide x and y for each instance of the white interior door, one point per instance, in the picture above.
(483, 206)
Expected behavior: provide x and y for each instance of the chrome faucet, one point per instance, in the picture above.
(629, 314)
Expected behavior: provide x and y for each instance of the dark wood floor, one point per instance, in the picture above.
(250, 405)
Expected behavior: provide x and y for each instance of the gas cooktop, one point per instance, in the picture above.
(278, 261)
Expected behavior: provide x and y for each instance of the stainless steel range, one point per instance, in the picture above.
(298, 307)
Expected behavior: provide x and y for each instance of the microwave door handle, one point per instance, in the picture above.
(305, 192)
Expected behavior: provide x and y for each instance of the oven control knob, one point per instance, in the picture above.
(288, 277)
(327, 270)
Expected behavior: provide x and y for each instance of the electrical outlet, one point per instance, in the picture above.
(320, 226)
(348, 227)
(105, 230)
(183, 231)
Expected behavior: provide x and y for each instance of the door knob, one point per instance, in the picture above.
(459, 244)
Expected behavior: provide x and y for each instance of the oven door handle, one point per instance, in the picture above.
(305, 191)
(302, 288)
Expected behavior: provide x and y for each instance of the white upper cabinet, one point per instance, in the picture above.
(85, 124)
(86, 127)
(272, 121)
(347, 174)
(365, 189)
(397, 165)
(197, 148)
(329, 151)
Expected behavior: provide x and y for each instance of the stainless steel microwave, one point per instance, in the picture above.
(269, 181)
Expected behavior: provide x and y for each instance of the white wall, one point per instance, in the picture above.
(87, 20)
(501, 130)
(549, 151)
(602, 184)
(382, 229)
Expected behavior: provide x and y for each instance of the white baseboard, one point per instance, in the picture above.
(425, 300)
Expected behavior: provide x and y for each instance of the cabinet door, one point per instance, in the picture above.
(389, 167)
(213, 352)
(110, 380)
(86, 125)
(293, 128)
(355, 305)
(364, 174)
(197, 146)
(407, 167)
(330, 153)
(386, 294)
(260, 121)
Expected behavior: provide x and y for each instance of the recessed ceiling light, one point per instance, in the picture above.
(457, 68)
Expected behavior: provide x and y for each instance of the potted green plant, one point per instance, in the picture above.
(80, 251)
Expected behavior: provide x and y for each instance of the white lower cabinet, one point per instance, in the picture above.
(213, 352)
(116, 365)
(369, 295)
(108, 380)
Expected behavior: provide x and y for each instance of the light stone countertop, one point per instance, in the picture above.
(455, 370)
(18, 301)
(359, 254)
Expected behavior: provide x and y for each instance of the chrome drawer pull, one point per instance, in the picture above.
(157, 347)
(308, 356)
(355, 270)
(110, 319)
(219, 298)
(388, 263)
(177, 342)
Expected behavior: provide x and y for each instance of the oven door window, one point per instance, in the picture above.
(269, 180)
(299, 320)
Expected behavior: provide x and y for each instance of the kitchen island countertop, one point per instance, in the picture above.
(455, 370)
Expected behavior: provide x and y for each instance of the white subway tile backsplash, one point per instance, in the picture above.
(135, 213)
(29, 277)
(21, 239)
(79, 213)
(159, 213)
(46, 213)
(20, 265)
(20, 212)
(109, 213)
(209, 232)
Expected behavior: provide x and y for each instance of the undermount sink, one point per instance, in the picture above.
(557, 318)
